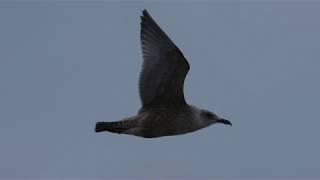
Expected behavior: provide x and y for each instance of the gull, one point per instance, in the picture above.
(164, 110)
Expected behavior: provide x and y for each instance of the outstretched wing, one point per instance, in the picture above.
(164, 68)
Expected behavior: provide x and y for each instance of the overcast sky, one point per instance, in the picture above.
(66, 65)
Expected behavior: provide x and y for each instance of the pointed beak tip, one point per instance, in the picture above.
(224, 121)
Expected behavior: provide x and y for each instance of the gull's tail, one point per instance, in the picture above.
(117, 126)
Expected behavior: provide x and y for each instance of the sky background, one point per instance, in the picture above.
(66, 65)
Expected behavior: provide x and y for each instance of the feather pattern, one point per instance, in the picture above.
(164, 67)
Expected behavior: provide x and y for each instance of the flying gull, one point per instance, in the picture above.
(164, 110)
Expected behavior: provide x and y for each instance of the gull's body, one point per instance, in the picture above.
(164, 110)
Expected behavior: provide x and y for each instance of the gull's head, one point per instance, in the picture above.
(211, 118)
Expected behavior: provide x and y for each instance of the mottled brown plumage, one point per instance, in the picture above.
(164, 109)
(164, 67)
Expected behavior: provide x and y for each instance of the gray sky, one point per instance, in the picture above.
(66, 65)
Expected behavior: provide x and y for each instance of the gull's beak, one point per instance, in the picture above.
(224, 121)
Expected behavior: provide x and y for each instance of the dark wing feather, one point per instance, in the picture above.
(164, 68)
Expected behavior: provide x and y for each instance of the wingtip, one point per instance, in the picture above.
(145, 12)
(145, 16)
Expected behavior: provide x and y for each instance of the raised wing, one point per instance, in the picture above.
(164, 68)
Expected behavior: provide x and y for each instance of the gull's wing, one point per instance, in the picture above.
(164, 68)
